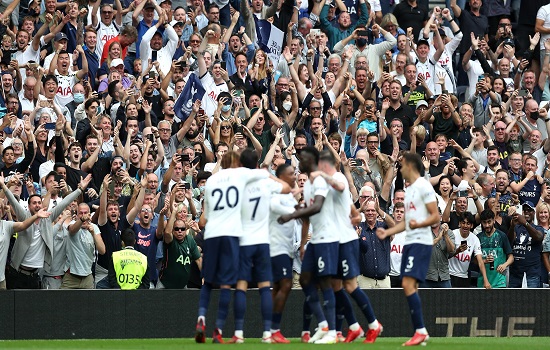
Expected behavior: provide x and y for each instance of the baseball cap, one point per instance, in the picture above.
(421, 103)
(176, 23)
(117, 62)
(528, 204)
(61, 36)
(149, 5)
(422, 42)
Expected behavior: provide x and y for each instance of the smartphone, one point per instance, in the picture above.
(480, 78)
(196, 160)
(184, 158)
(26, 177)
(49, 126)
(191, 8)
(187, 185)
(315, 32)
(223, 65)
(58, 178)
(463, 242)
(239, 129)
(523, 92)
(386, 69)
(112, 187)
(362, 33)
(463, 193)
(151, 137)
(152, 75)
(153, 56)
(445, 92)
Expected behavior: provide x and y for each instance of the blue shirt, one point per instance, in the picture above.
(93, 65)
(375, 254)
(70, 31)
(146, 243)
(141, 29)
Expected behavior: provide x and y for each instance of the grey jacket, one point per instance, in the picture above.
(46, 227)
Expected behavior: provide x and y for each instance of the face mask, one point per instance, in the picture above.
(78, 97)
(201, 189)
(287, 105)
(226, 108)
(534, 115)
(361, 42)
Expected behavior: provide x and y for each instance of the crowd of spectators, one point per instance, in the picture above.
(92, 145)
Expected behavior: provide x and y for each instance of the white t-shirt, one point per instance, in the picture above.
(210, 98)
(342, 207)
(396, 253)
(6, 230)
(223, 196)
(544, 14)
(255, 210)
(48, 61)
(417, 196)
(281, 237)
(458, 265)
(325, 229)
(34, 258)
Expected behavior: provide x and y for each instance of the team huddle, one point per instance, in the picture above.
(249, 228)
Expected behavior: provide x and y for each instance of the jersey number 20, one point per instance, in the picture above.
(231, 203)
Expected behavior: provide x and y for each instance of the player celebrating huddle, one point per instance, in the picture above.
(420, 214)
(223, 196)
(320, 260)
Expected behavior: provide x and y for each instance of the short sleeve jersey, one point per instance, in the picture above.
(342, 207)
(223, 196)
(65, 87)
(176, 267)
(499, 247)
(417, 196)
(281, 236)
(210, 98)
(323, 223)
(255, 211)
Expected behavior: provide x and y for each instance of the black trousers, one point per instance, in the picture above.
(459, 282)
(22, 279)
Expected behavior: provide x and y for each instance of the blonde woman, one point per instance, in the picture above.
(390, 24)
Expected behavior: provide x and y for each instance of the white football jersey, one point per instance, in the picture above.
(417, 195)
(223, 196)
(458, 264)
(281, 237)
(66, 83)
(342, 212)
(210, 98)
(255, 211)
(325, 229)
(104, 34)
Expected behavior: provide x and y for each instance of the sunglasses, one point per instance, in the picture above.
(179, 228)
(225, 127)
(315, 108)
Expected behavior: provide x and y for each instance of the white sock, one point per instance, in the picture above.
(374, 324)
(276, 330)
(354, 326)
(422, 331)
(323, 324)
(266, 335)
(202, 318)
(332, 333)
(305, 332)
(239, 334)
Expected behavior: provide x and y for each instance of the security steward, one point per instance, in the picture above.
(128, 268)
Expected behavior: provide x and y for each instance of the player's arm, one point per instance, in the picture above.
(337, 185)
(306, 212)
(355, 216)
(385, 233)
(305, 232)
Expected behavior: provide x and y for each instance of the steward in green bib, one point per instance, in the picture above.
(128, 268)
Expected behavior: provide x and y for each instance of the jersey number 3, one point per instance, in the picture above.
(231, 202)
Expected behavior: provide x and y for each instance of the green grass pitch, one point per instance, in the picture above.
(253, 344)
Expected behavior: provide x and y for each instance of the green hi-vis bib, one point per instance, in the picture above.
(130, 266)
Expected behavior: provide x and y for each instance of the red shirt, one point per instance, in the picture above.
(106, 49)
